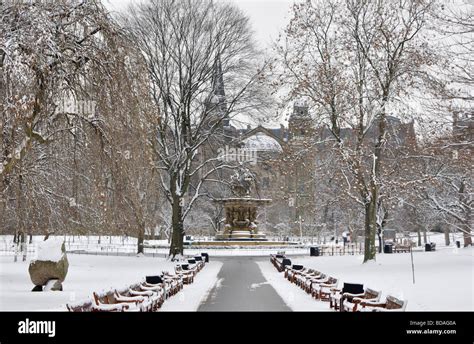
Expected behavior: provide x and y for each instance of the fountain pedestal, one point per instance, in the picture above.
(241, 219)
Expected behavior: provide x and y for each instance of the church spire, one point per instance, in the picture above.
(218, 78)
(217, 99)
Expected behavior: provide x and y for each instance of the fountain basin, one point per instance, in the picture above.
(241, 219)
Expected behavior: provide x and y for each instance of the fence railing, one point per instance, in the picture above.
(8, 248)
(347, 249)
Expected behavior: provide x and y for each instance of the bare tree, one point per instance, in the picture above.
(75, 158)
(47, 53)
(190, 47)
(354, 60)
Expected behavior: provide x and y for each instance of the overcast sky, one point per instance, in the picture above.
(268, 17)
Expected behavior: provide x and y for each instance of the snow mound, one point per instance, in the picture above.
(50, 250)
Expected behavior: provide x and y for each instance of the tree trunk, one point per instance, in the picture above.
(176, 247)
(425, 239)
(141, 238)
(23, 245)
(371, 206)
(419, 235)
(466, 224)
(446, 236)
(15, 241)
(380, 241)
(467, 235)
(370, 229)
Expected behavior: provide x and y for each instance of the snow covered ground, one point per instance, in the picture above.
(293, 296)
(193, 295)
(444, 279)
(127, 246)
(89, 273)
(121, 246)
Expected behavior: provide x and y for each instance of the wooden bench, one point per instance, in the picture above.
(197, 265)
(101, 304)
(321, 289)
(292, 271)
(142, 296)
(173, 283)
(303, 278)
(353, 289)
(85, 306)
(186, 275)
(279, 261)
(398, 248)
(149, 297)
(308, 284)
(200, 262)
(391, 304)
(350, 302)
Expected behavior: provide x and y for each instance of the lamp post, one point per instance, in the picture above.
(291, 204)
(301, 230)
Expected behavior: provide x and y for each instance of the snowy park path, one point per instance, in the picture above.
(242, 287)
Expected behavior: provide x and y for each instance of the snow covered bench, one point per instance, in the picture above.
(85, 306)
(322, 291)
(149, 297)
(101, 304)
(307, 285)
(349, 301)
(302, 277)
(292, 271)
(321, 287)
(136, 297)
(391, 304)
(186, 273)
(200, 262)
(142, 296)
(280, 261)
(196, 264)
(174, 283)
(399, 248)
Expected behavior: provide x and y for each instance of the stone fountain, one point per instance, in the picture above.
(241, 210)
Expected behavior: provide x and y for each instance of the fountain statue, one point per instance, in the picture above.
(241, 210)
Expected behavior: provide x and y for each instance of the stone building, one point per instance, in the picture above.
(287, 157)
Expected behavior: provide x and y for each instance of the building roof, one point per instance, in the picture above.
(261, 142)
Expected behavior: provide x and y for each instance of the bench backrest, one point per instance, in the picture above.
(372, 294)
(394, 303)
(111, 298)
(99, 299)
(80, 307)
(353, 288)
(153, 279)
